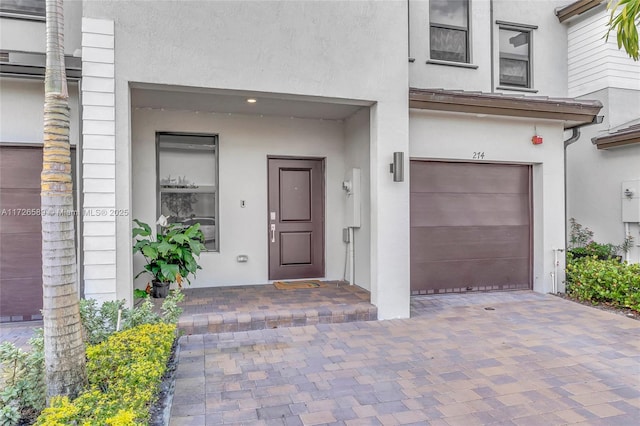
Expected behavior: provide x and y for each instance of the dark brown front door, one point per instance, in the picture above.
(296, 218)
(470, 227)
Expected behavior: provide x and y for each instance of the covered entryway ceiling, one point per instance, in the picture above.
(182, 98)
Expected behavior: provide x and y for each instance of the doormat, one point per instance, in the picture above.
(290, 285)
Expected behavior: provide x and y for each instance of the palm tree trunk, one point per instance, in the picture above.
(63, 345)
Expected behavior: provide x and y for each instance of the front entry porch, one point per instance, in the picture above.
(257, 307)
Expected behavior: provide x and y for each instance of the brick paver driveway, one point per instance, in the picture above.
(531, 360)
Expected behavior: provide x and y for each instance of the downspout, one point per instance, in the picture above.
(575, 135)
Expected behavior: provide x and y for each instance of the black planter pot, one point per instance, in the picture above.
(160, 290)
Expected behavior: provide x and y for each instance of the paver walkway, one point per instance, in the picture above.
(18, 333)
(530, 359)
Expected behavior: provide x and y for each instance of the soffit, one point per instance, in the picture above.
(235, 102)
(572, 112)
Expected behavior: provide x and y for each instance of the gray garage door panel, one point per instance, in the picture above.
(20, 234)
(470, 275)
(457, 209)
(472, 242)
(468, 178)
(470, 227)
(21, 207)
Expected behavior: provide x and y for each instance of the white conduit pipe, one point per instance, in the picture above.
(554, 274)
(352, 256)
(627, 233)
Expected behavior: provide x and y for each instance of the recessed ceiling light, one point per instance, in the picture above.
(252, 100)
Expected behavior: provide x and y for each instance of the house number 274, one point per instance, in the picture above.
(478, 155)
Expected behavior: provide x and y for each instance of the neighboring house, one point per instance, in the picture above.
(276, 124)
(22, 64)
(605, 160)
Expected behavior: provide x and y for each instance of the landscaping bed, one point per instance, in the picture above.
(627, 312)
(606, 284)
(597, 276)
(131, 365)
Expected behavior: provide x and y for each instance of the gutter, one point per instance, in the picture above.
(577, 8)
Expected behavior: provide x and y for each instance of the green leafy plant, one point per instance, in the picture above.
(604, 281)
(601, 251)
(100, 322)
(581, 244)
(124, 373)
(579, 236)
(22, 381)
(171, 255)
(22, 397)
(624, 24)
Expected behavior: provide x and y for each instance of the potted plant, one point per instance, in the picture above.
(171, 256)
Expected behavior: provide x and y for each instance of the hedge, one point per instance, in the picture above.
(604, 281)
(124, 373)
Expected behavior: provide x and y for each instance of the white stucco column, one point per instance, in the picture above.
(390, 289)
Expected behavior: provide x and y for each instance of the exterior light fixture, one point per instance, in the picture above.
(397, 167)
(252, 100)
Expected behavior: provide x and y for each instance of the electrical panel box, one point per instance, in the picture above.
(631, 201)
(353, 189)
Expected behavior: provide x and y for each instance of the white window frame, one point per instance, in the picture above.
(15, 11)
(466, 30)
(200, 189)
(523, 28)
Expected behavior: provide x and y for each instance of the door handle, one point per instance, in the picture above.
(273, 232)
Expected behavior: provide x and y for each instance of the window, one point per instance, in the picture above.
(449, 28)
(23, 8)
(188, 182)
(515, 57)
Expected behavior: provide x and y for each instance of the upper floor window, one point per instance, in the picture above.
(23, 8)
(515, 57)
(449, 29)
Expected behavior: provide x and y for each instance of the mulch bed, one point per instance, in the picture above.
(160, 411)
(627, 312)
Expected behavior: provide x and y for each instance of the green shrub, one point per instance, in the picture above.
(99, 322)
(22, 373)
(124, 373)
(601, 251)
(604, 281)
(22, 380)
(581, 244)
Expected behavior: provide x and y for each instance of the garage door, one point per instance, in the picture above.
(470, 227)
(20, 236)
